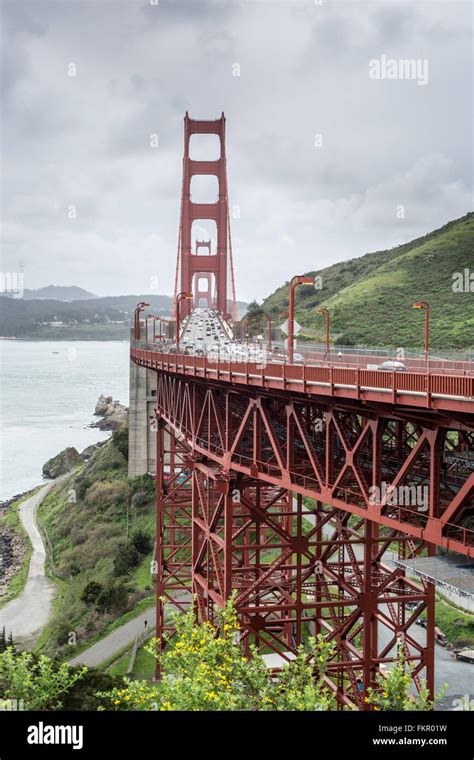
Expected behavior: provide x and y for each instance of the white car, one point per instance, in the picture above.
(392, 366)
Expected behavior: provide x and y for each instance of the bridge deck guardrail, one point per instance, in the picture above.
(422, 389)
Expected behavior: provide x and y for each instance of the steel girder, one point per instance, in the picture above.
(230, 518)
(356, 458)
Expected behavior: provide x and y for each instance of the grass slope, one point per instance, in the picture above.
(91, 537)
(370, 298)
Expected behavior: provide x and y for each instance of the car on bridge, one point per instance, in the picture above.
(392, 366)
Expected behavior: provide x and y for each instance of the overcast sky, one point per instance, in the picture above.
(83, 141)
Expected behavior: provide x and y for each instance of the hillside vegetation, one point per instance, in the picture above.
(370, 298)
(100, 532)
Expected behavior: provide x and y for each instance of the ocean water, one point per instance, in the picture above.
(48, 393)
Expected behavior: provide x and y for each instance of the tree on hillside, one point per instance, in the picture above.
(254, 310)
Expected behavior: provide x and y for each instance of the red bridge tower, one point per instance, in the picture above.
(213, 264)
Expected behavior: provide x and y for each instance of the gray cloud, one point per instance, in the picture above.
(85, 140)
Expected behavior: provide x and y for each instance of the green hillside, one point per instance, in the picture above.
(370, 298)
(100, 545)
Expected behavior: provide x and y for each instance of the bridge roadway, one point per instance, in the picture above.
(208, 351)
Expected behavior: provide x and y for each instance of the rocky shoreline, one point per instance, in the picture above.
(8, 502)
(113, 414)
(12, 551)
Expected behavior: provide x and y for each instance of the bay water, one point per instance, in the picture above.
(48, 393)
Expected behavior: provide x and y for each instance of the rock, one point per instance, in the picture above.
(114, 413)
(88, 452)
(12, 549)
(62, 463)
(103, 403)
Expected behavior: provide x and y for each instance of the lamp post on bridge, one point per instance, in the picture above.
(138, 309)
(148, 316)
(155, 336)
(269, 321)
(183, 296)
(324, 312)
(295, 281)
(425, 306)
(163, 329)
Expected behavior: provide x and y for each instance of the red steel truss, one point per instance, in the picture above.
(335, 450)
(269, 495)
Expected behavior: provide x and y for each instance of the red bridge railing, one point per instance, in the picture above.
(423, 389)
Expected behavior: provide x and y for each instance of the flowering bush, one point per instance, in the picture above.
(204, 671)
(393, 692)
(37, 682)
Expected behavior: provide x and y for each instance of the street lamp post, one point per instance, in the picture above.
(148, 316)
(155, 336)
(138, 309)
(269, 321)
(166, 331)
(425, 306)
(325, 314)
(183, 296)
(295, 281)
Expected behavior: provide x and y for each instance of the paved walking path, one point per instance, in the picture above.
(25, 616)
(115, 641)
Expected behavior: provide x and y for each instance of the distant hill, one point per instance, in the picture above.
(86, 319)
(59, 293)
(106, 318)
(370, 298)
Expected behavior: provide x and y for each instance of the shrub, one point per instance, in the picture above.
(37, 681)
(204, 671)
(105, 493)
(139, 499)
(83, 693)
(61, 633)
(144, 484)
(107, 458)
(91, 592)
(393, 689)
(112, 598)
(126, 558)
(120, 440)
(141, 541)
